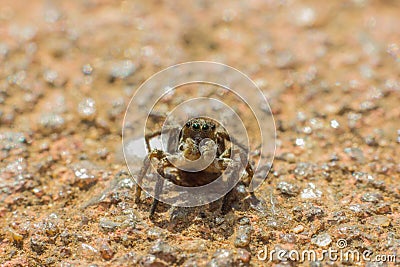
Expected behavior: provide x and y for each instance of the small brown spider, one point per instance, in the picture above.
(190, 144)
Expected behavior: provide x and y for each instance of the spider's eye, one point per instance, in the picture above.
(188, 124)
(196, 126)
(213, 126)
(205, 127)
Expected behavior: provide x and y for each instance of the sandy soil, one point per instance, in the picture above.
(330, 70)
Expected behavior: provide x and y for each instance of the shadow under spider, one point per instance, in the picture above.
(210, 220)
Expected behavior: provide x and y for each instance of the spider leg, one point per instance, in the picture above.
(149, 136)
(223, 164)
(249, 168)
(142, 173)
(227, 137)
(158, 190)
(164, 163)
(158, 154)
(246, 181)
(146, 163)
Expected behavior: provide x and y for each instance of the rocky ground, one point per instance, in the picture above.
(330, 70)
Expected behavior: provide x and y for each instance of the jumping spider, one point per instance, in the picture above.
(190, 144)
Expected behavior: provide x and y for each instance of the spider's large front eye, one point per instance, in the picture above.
(205, 127)
(196, 126)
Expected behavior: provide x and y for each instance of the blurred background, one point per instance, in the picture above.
(330, 70)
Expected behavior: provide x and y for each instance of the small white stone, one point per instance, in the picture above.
(300, 142)
(306, 17)
(87, 108)
(298, 229)
(311, 192)
(335, 124)
(322, 240)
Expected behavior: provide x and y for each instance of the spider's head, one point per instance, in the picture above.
(193, 132)
(198, 129)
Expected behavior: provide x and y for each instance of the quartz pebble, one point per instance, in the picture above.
(288, 188)
(51, 123)
(122, 69)
(108, 225)
(87, 109)
(371, 197)
(311, 192)
(322, 240)
(298, 229)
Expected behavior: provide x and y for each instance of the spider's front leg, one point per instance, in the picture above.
(227, 153)
(158, 154)
(230, 172)
(224, 163)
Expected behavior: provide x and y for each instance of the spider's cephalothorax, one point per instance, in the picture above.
(196, 130)
(191, 144)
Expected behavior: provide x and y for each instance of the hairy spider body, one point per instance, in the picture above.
(194, 138)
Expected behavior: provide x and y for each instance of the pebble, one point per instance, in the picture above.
(322, 240)
(313, 211)
(86, 174)
(358, 209)
(13, 141)
(50, 76)
(289, 157)
(196, 261)
(87, 69)
(65, 237)
(87, 109)
(164, 251)
(371, 197)
(355, 153)
(285, 59)
(17, 167)
(367, 106)
(222, 257)
(243, 236)
(243, 255)
(244, 221)
(288, 188)
(298, 229)
(305, 17)
(348, 231)
(311, 192)
(363, 177)
(194, 245)
(383, 208)
(304, 169)
(38, 243)
(108, 225)
(51, 227)
(155, 233)
(394, 50)
(122, 69)
(84, 179)
(379, 220)
(338, 217)
(106, 251)
(151, 261)
(51, 122)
